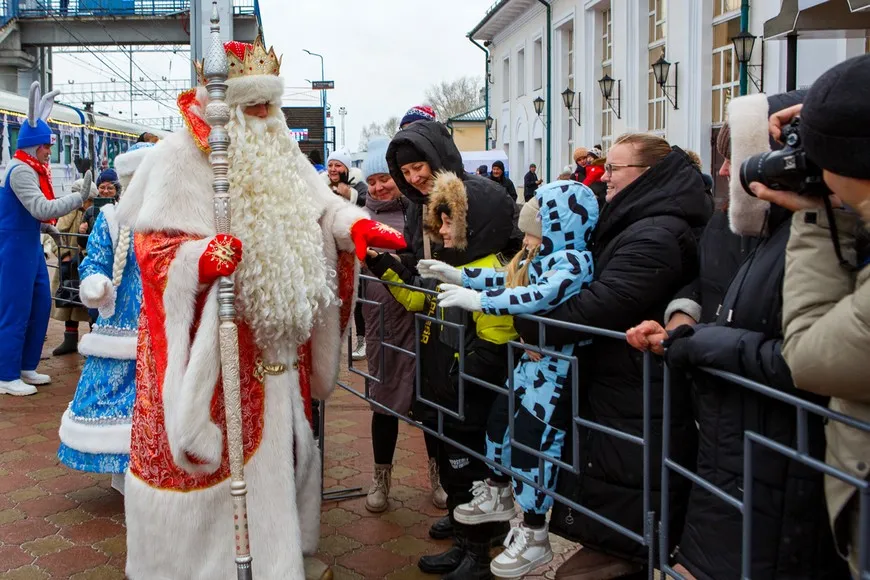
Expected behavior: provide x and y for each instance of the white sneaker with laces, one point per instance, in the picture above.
(359, 352)
(16, 388)
(35, 378)
(525, 550)
(491, 503)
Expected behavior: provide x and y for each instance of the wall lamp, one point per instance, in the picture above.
(568, 99)
(744, 43)
(661, 68)
(606, 84)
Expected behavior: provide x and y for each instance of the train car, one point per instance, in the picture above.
(80, 134)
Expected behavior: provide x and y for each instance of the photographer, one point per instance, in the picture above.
(826, 311)
(790, 537)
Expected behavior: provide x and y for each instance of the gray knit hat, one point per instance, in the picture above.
(530, 222)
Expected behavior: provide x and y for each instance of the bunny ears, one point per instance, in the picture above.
(39, 108)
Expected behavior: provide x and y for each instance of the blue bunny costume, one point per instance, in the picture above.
(562, 268)
(25, 211)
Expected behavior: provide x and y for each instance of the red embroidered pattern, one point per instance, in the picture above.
(346, 285)
(303, 354)
(150, 457)
(190, 110)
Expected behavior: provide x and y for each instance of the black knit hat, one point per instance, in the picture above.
(835, 119)
(406, 153)
(498, 164)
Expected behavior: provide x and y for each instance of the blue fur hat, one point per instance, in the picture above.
(376, 157)
(33, 136)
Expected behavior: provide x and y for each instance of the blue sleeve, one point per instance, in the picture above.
(566, 275)
(482, 278)
(101, 254)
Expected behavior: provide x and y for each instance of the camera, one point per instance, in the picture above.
(788, 169)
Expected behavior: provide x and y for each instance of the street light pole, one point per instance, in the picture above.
(322, 98)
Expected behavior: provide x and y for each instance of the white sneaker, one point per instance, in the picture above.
(34, 378)
(16, 388)
(525, 550)
(491, 503)
(359, 352)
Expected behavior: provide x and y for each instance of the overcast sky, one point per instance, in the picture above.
(382, 55)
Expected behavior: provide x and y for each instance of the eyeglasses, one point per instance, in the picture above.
(608, 167)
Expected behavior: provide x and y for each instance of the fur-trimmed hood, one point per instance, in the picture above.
(748, 123)
(481, 217)
(433, 140)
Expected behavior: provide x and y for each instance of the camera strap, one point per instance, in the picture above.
(835, 235)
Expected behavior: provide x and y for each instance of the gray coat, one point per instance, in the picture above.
(396, 387)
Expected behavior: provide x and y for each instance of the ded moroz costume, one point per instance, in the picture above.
(294, 292)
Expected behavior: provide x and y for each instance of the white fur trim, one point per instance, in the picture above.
(192, 369)
(255, 89)
(171, 190)
(108, 346)
(686, 306)
(94, 291)
(339, 219)
(93, 438)
(200, 545)
(127, 163)
(111, 217)
(748, 118)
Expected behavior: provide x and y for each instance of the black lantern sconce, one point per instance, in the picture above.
(568, 97)
(606, 84)
(539, 103)
(490, 129)
(744, 43)
(661, 69)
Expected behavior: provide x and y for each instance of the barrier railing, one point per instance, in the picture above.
(657, 545)
(67, 291)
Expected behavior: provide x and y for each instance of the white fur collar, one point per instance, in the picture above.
(127, 163)
(747, 117)
(171, 190)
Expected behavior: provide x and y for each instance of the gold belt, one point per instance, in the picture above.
(262, 369)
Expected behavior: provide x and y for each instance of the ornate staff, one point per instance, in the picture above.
(217, 114)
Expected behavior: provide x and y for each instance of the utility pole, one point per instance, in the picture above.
(131, 83)
(342, 113)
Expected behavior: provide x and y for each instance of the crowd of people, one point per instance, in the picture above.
(766, 283)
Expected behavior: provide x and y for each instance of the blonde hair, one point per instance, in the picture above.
(120, 261)
(516, 273)
(649, 149)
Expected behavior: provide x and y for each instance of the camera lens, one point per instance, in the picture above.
(752, 169)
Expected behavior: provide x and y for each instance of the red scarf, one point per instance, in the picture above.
(43, 170)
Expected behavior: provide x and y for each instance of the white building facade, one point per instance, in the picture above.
(621, 39)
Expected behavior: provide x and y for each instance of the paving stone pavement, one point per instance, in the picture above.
(58, 523)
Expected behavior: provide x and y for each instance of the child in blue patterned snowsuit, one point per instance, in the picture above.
(553, 267)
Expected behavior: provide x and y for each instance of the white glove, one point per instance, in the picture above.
(464, 298)
(96, 291)
(440, 271)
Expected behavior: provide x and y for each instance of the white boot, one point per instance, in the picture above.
(491, 503)
(17, 388)
(118, 482)
(34, 378)
(525, 549)
(439, 496)
(378, 497)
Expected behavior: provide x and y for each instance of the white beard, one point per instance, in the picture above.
(282, 283)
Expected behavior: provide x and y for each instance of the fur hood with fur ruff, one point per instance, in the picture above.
(481, 217)
(748, 122)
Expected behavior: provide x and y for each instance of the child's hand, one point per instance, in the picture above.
(440, 271)
(533, 356)
(451, 295)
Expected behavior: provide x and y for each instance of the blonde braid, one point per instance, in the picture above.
(121, 255)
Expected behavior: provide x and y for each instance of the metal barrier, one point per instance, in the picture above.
(75, 244)
(657, 558)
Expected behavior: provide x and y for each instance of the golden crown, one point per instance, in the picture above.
(247, 60)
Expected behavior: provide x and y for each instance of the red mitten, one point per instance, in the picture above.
(369, 233)
(223, 254)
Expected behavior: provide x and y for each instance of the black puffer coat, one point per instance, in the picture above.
(645, 249)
